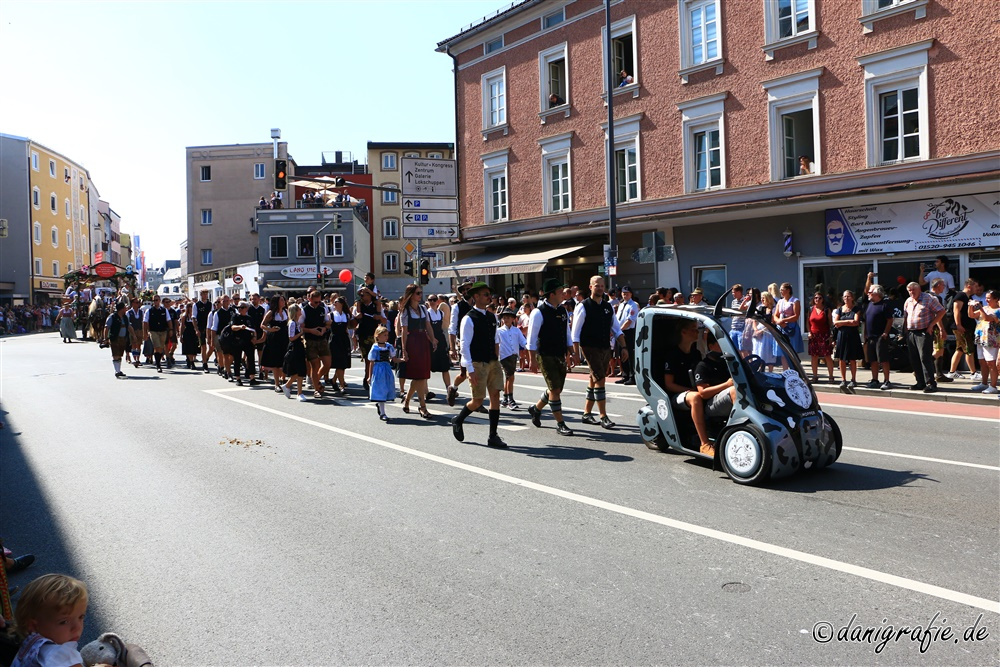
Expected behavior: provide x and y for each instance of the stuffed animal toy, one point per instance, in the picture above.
(110, 649)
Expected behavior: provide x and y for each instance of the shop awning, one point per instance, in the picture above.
(491, 264)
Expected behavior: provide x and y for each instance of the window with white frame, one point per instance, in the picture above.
(38, 266)
(788, 22)
(704, 142)
(304, 245)
(206, 256)
(493, 45)
(259, 171)
(701, 36)
(435, 155)
(206, 216)
(495, 98)
(37, 233)
(66, 174)
(66, 208)
(206, 173)
(390, 262)
(388, 162)
(411, 154)
(334, 245)
(495, 185)
(83, 214)
(279, 247)
(34, 160)
(55, 268)
(552, 72)
(53, 203)
(623, 53)
(390, 197)
(36, 198)
(876, 10)
(793, 123)
(390, 228)
(54, 236)
(52, 168)
(69, 268)
(555, 173)
(896, 105)
(553, 19)
(69, 240)
(627, 159)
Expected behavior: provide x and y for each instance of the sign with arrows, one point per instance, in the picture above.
(425, 177)
(431, 218)
(430, 232)
(424, 204)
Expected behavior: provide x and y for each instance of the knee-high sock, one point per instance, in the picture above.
(117, 363)
(158, 356)
(463, 414)
(494, 421)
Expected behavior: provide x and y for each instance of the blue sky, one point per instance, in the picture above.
(123, 87)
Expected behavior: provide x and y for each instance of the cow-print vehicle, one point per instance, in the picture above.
(776, 426)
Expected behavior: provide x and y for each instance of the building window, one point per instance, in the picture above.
(279, 247)
(83, 214)
(69, 240)
(554, 91)
(38, 266)
(55, 269)
(34, 160)
(54, 236)
(701, 47)
(334, 245)
(793, 121)
(555, 173)
(390, 197)
(896, 104)
(623, 52)
(206, 173)
(304, 245)
(411, 154)
(390, 228)
(69, 268)
(495, 98)
(788, 22)
(390, 262)
(206, 257)
(53, 203)
(626, 159)
(553, 19)
(52, 168)
(498, 195)
(388, 162)
(37, 233)
(704, 143)
(36, 198)
(711, 280)
(558, 185)
(66, 208)
(435, 155)
(206, 216)
(259, 172)
(66, 174)
(493, 45)
(876, 10)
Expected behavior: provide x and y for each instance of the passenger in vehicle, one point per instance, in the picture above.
(681, 360)
(714, 383)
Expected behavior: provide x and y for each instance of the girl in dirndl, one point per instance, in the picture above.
(67, 329)
(382, 388)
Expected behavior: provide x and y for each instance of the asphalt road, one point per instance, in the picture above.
(225, 526)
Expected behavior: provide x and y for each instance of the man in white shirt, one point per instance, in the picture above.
(628, 317)
(594, 325)
(551, 347)
(480, 343)
(940, 271)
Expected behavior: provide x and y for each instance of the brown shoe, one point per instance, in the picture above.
(708, 450)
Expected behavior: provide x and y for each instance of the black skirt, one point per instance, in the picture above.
(440, 361)
(295, 359)
(340, 346)
(275, 346)
(190, 345)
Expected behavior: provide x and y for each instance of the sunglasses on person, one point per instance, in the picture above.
(433, 298)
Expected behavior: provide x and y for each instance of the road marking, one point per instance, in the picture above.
(792, 554)
(924, 458)
(910, 412)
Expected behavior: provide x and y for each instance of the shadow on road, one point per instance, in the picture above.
(570, 453)
(847, 477)
(28, 525)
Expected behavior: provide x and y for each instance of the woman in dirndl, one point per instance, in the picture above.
(440, 361)
(340, 344)
(275, 325)
(67, 329)
(417, 344)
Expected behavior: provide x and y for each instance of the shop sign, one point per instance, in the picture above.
(305, 271)
(48, 284)
(105, 269)
(949, 223)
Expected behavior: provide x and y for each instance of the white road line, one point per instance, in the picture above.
(992, 420)
(924, 458)
(792, 554)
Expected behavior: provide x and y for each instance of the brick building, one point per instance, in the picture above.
(716, 103)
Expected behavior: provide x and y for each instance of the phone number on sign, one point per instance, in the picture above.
(935, 631)
(953, 244)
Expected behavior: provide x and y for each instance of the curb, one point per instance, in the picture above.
(939, 396)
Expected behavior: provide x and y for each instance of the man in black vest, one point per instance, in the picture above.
(118, 330)
(462, 308)
(134, 316)
(155, 327)
(594, 325)
(223, 316)
(202, 308)
(551, 348)
(175, 318)
(315, 322)
(242, 335)
(256, 312)
(480, 358)
(368, 314)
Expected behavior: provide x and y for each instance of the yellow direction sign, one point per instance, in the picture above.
(409, 248)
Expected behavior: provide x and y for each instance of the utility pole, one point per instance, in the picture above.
(612, 190)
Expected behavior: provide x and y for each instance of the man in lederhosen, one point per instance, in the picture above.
(134, 317)
(551, 347)
(594, 325)
(155, 327)
(480, 358)
(118, 330)
(462, 308)
(255, 311)
(315, 322)
(222, 317)
(201, 309)
(172, 334)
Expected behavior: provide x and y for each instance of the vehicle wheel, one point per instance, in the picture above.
(745, 455)
(658, 443)
(837, 437)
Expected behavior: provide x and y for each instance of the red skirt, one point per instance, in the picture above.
(418, 356)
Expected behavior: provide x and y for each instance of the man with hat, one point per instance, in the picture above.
(368, 313)
(628, 317)
(118, 331)
(202, 308)
(480, 358)
(550, 345)
(462, 309)
(696, 297)
(512, 341)
(155, 326)
(242, 335)
(594, 325)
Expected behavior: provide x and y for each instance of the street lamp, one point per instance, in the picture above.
(612, 190)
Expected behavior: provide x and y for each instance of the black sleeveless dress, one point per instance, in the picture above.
(440, 362)
(340, 343)
(276, 343)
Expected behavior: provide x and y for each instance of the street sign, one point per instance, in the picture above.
(237, 279)
(644, 256)
(409, 248)
(428, 178)
(430, 232)
(419, 205)
(446, 218)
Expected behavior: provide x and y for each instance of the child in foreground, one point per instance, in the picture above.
(382, 387)
(49, 617)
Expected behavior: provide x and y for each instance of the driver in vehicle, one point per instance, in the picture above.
(714, 383)
(681, 360)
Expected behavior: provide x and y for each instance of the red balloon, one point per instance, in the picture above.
(345, 276)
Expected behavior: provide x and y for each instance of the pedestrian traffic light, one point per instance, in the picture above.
(408, 268)
(281, 174)
(425, 271)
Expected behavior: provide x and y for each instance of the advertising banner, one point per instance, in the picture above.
(951, 223)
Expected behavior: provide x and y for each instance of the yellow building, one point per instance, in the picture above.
(59, 208)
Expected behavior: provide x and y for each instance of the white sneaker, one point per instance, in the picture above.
(977, 376)
(955, 376)
(302, 398)
(287, 391)
(979, 387)
(991, 390)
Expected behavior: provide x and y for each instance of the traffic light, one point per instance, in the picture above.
(281, 174)
(408, 268)
(425, 271)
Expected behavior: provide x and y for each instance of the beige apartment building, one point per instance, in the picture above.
(224, 184)
(390, 251)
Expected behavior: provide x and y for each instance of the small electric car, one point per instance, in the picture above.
(776, 426)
